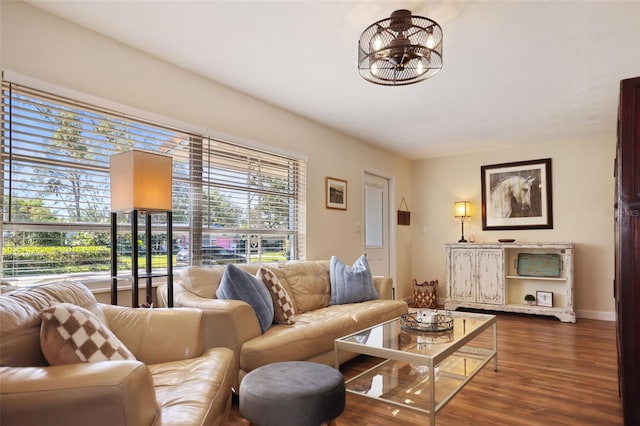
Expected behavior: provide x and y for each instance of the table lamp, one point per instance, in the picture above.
(462, 212)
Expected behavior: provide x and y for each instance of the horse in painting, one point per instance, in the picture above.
(511, 197)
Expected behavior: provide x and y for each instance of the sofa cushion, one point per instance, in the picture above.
(202, 281)
(282, 304)
(70, 334)
(20, 317)
(314, 332)
(237, 284)
(195, 391)
(309, 283)
(351, 284)
(274, 267)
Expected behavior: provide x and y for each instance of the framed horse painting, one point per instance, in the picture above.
(517, 195)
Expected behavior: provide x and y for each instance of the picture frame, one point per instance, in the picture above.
(517, 195)
(335, 193)
(544, 298)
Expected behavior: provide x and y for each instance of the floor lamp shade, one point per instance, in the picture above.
(140, 180)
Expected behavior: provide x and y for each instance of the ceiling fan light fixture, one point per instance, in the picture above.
(399, 50)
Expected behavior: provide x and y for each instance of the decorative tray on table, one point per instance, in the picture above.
(433, 322)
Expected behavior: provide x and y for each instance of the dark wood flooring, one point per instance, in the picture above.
(549, 373)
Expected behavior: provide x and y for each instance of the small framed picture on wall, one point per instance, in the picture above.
(335, 193)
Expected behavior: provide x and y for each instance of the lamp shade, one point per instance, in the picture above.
(462, 209)
(140, 180)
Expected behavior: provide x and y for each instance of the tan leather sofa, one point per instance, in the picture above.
(172, 382)
(233, 323)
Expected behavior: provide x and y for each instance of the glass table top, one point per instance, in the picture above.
(392, 336)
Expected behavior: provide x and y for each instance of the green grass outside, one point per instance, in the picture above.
(56, 260)
(160, 261)
(269, 257)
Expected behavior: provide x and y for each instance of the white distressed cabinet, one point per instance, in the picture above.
(477, 274)
(485, 276)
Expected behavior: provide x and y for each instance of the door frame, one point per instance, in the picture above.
(391, 231)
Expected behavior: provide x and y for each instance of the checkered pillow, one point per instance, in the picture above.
(282, 303)
(71, 334)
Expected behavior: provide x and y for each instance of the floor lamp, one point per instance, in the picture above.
(141, 183)
(462, 212)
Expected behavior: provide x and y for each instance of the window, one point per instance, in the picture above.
(230, 202)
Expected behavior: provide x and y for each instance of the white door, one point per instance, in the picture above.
(376, 223)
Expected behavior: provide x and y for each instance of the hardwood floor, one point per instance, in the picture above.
(549, 373)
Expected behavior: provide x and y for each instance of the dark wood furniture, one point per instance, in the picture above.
(627, 248)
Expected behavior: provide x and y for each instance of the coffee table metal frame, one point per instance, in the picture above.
(428, 356)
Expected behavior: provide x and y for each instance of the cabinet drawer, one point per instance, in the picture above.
(539, 264)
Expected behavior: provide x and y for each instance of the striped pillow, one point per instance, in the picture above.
(351, 284)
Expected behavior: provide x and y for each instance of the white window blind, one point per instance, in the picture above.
(245, 204)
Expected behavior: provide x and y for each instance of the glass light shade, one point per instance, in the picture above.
(141, 180)
(462, 209)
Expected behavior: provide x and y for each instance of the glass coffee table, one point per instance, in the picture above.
(422, 370)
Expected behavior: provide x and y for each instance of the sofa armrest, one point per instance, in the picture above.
(227, 323)
(384, 286)
(99, 393)
(158, 335)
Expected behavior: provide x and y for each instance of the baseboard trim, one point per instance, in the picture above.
(596, 315)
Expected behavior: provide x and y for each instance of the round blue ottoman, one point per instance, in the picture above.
(293, 393)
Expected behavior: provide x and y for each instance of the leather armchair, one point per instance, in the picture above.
(173, 381)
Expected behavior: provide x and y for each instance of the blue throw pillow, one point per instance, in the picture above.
(237, 284)
(351, 284)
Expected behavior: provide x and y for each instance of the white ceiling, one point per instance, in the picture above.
(514, 72)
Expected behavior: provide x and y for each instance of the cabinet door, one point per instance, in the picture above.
(462, 285)
(490, 275)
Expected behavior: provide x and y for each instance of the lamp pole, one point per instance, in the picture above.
(462, 240)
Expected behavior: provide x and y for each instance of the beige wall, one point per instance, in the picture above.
(583, 191)
(41, 46)
(38, 45)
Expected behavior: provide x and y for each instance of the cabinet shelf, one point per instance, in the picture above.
(536, 307)
(526, 277)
